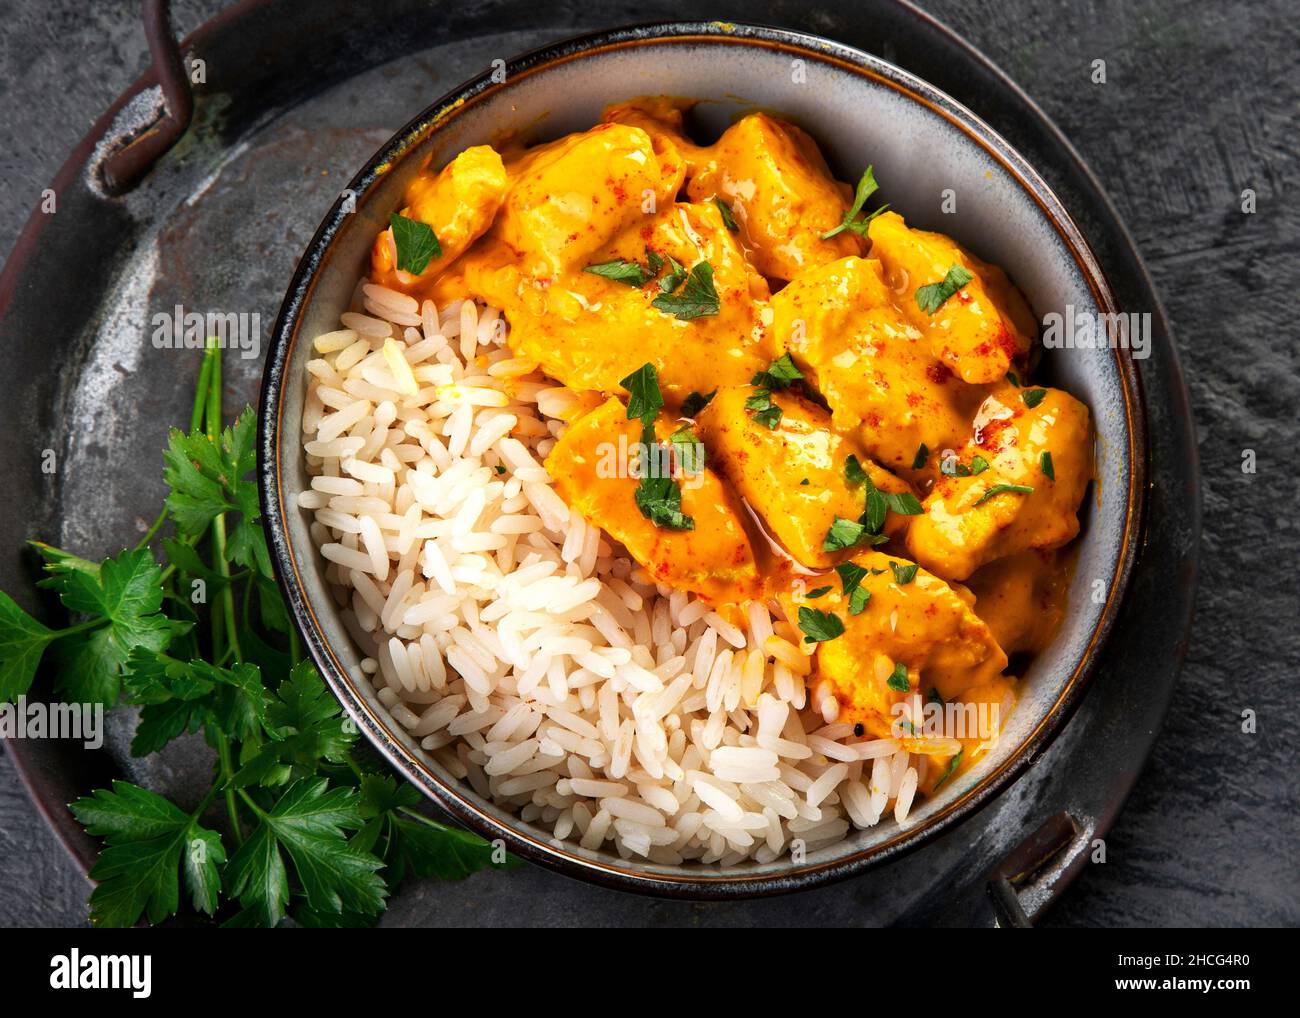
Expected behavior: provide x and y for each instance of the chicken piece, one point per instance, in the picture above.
(881, 382)
(981, 329)
(459, 204)
(1022, 598)
(924, 624)
(569, 198)
(781, 193)
(661, 118)
(590, 332)
(965, 525)
(792, 475)
(592, 467)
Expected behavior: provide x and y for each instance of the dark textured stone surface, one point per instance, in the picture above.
(1200, 103)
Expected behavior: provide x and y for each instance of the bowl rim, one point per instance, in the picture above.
(462, 802)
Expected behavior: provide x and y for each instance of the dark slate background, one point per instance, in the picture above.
(1202, 101)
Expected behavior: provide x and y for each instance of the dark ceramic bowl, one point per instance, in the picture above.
(862, 111)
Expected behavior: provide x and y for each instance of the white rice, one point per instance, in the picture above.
(524, 648)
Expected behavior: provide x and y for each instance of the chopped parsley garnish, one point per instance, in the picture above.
(1001, 489)
(897, 681)
(804, 481)
(852, 575)
(843, 534)
(935, 696)
(948, 771)
(644, 398)
(696, 299)
(853, 472)
(780, 374)
(658, 498)
(1013, 378)
(1033, 397)
(904, 574)
(696, 402)
(819, 592)
(903, 502)
(416, 243)
(660, 501)
(689, 449)
(867, 186)
(931, 297)
(676, 274)
(978, 464)
(653, 262)
(819, 626)
(728, 220)
(500, 469)
(873, 516)
(765, 411)
(922, 456)
(621, 271)
(1045, 462)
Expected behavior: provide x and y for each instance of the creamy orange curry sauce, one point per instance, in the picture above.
(871, 453)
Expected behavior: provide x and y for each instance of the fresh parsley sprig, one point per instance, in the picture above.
(867, 186)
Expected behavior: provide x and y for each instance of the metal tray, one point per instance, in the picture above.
(296, 97)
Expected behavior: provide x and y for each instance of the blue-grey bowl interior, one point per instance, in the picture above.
(862, 111)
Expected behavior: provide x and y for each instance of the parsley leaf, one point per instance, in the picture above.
(416, 243)
(903, 502)
(765, 411)
(696, 402)
(689, 449)
(696, 299)
(620, 270)
(305, 727)
(780, 374)
(922, 456)
(1033, 397)
(728, 219)
(122, 593)
(210, 478)
(147, 840)
(867, 186)
(873, 515)
(660, 501)
(812, 595)
(22, 642)
(904, 574)
(644, 398)
(676, 275)
(999, 489)
(853, 472)
(843, 534)
(819, 626)
(897, 680)
(851, 576)
(931, 297)
(307, 823)
(1045, 464)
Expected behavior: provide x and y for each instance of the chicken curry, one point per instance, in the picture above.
(869, 452)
